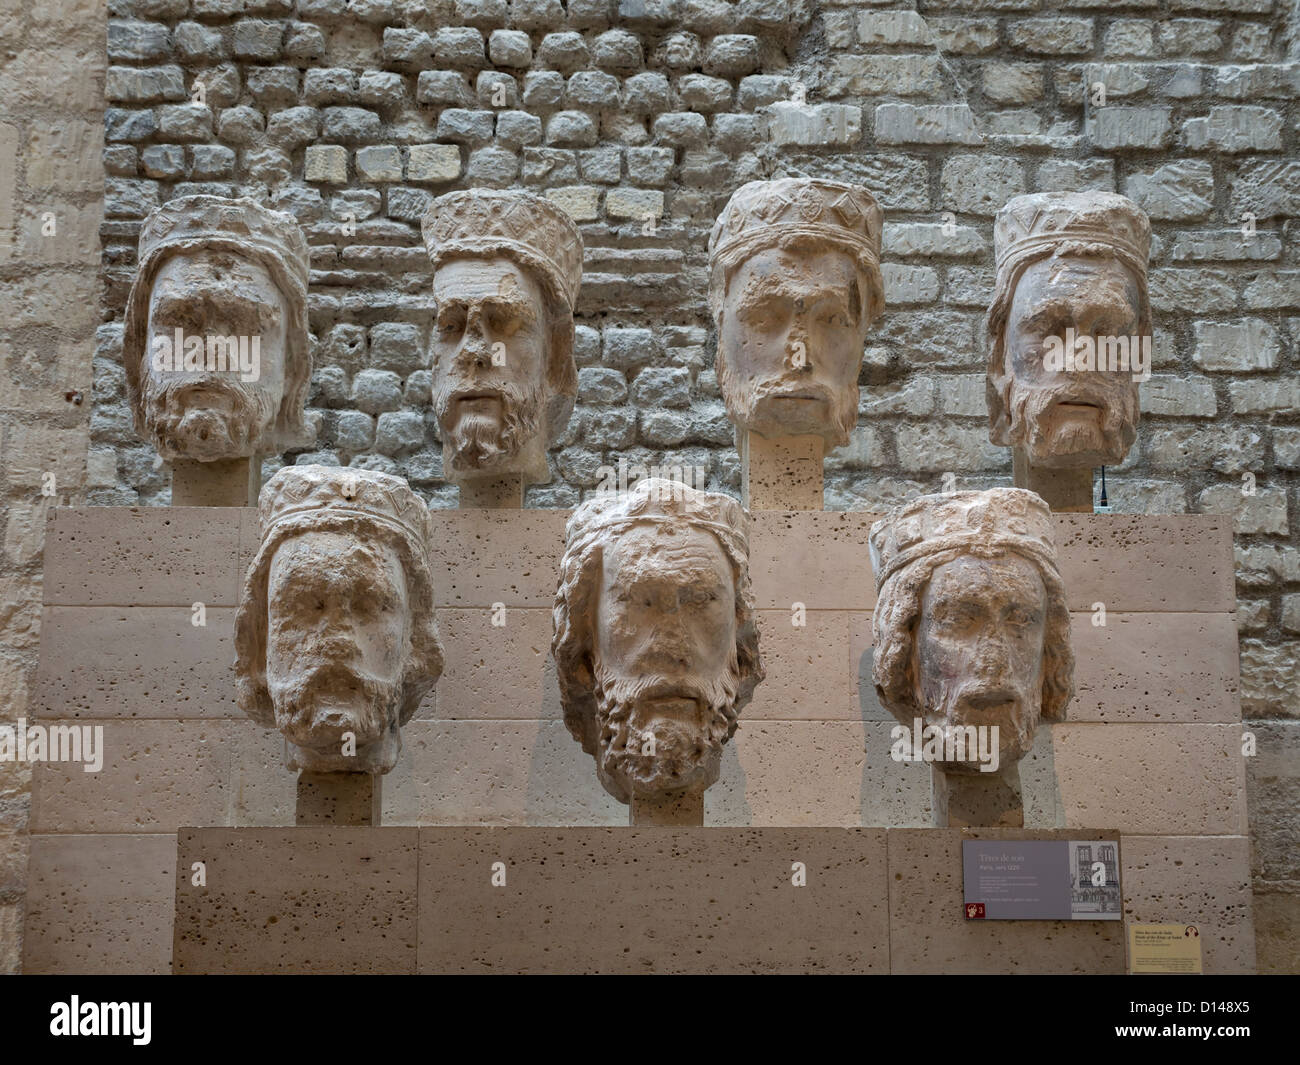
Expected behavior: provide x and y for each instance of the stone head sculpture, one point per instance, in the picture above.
(1070, 327)
(971, 625)
(335, 637)
(794, 284)
(656, 639)
(215, 342)
(507, 266)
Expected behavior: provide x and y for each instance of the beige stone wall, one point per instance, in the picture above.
(51, 202)
(1151, 747)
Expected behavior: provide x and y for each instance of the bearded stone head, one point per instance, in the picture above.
(794, 286)
(1070, 327)
(335, 636)
(971, 625)
(507, 266)
(215, 342)
(656, 639)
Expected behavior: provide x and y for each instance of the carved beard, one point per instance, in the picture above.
(687, 753)
(1052, 443)
(745, 400)
(945, 705)
(207, 433)
(477, 443)
(333, 700)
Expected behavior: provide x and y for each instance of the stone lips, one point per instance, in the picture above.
(914, 539)
(1041, 224)
(652, 500)
(245, 228)
(364, 503)
(762, 213)
(538, 235)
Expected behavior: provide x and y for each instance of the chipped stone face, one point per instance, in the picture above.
(795, 286)
(507, 266)
(335, 631)
(971, 625)
(656, 638)
(1069, 328)
(215, 344)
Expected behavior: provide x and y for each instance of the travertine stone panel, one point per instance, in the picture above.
(1151, 563)
(156, 776)
(1158, 563)
(808, 666)
(100, 904)
(815, 558)
(304, 900)
(262, 793)
(1155, 667)
(1277, 921)
(493, 670)
(1200, 880)
(495, 773)
(595, 900)
(496, 556)
(786, 773)
(142, 662)
(929, 934)
(143, 556)
(149, 556)
(1152, 779)
(223, 483)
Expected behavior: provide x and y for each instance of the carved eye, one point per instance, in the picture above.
(451, 322)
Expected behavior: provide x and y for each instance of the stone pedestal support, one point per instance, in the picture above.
(1064, 491)
(977, 800)
(495, 493)
(781, 473)
(224, 483)
(339, 799)
(679, 811)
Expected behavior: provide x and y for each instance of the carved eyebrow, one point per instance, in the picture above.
(519, 305)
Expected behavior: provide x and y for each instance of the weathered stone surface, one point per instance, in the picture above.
(730, 889)
(338, 602)
(787, 372)
(1065, 406)
(503, 385)
(357, 886)
(983, 671)
(656, 636)
(215, 342)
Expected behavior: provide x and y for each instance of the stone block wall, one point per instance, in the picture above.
(641, 117)
(51, 202)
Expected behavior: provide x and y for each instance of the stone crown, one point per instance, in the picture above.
(203, 220)
(339, 491)
(762, 213)
(666, 502)
(483, 222)
(1028, 223)
(998, 519)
